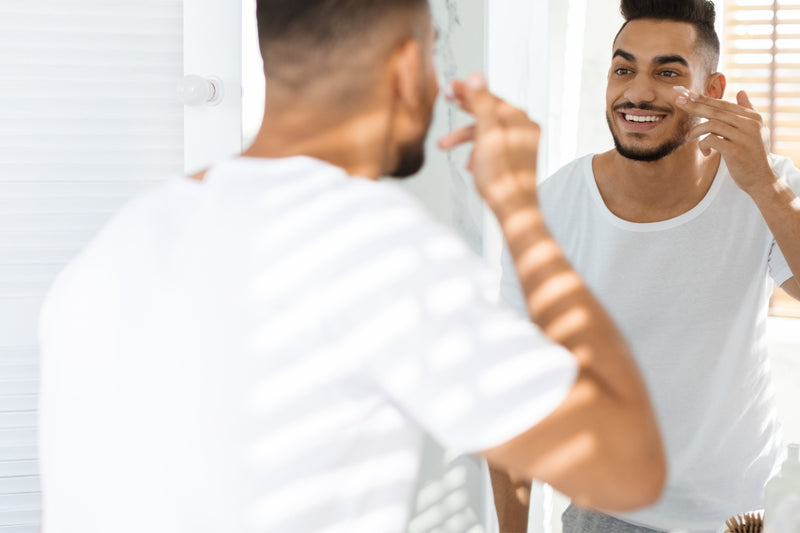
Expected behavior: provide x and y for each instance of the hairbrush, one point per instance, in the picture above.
(747, 523)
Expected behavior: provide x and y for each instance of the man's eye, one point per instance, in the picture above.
(669, 74)
(622, 71)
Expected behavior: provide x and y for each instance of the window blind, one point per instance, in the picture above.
(89, 118)
(762, 42)
(762, 49)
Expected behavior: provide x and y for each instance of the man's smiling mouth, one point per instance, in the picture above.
(649, 118)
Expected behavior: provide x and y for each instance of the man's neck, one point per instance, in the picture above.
(356, 143)
(654, 191)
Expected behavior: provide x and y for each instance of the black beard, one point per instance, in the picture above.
(412, 155)
(648, 155)
(412, 158)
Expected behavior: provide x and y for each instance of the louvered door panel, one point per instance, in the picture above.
(90, 117)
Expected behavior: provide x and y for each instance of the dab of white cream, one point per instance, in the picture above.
(683, 90)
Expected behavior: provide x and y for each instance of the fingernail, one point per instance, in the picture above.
(476, 81)
(681, 100)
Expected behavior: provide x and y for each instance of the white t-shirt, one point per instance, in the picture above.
(263, 352)
(690, 294)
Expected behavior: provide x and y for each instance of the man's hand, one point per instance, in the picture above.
(506, 141)
(738, 133)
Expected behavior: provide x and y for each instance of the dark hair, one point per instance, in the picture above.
(699, 13)
(315, 26)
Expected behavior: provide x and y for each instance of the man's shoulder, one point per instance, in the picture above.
(568, 179)
(150, 211)
(143, 214)
(787, 171)
(88, 275)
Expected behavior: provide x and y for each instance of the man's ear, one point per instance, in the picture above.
(715, 85)
(406, 65)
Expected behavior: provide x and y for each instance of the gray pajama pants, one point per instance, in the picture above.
(577, 520)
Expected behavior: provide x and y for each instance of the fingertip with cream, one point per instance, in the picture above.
(476, 81)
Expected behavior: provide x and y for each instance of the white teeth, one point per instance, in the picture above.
(635, 118)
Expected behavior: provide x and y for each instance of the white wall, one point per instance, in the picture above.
(556, 70)
(603, 23)
(212, 49)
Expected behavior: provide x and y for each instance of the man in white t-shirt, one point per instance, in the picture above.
(262, 346)
(677, 231)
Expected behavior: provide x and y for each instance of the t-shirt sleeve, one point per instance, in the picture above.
(469, 370)
(778, 267)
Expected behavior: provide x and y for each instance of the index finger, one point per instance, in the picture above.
(708, 107)
(489, 109)
(474, 97)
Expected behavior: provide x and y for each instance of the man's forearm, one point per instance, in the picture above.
(511, 500)
(558, 300)
(602, 446)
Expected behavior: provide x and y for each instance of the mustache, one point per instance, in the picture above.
(629, 106)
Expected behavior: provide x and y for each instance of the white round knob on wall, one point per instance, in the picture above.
(198, 90)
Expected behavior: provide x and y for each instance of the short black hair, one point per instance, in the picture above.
(699, 13)
(289, 30)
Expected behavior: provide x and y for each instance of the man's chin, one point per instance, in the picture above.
(647, 155)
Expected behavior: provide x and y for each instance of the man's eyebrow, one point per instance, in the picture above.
(663, 60)
(658, 60)
(624, 55)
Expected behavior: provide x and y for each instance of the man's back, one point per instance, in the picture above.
(271, 344)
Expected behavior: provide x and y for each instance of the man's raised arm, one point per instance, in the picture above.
(601, 446)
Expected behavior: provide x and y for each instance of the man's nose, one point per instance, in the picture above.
(640, 89)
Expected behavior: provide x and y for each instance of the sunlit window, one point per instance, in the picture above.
(762, 50)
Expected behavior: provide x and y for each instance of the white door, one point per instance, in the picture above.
(90, 117)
